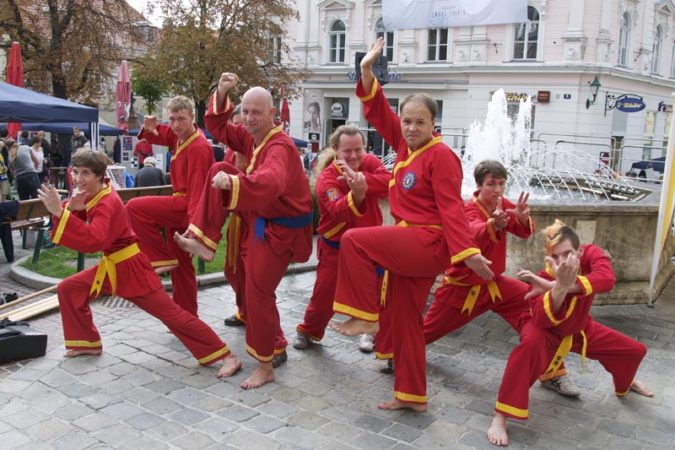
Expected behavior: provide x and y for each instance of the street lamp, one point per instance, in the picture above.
(595, 87)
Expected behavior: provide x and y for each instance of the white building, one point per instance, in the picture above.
(552, 58)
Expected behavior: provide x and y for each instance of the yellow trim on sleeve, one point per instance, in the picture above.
(214, 103)
(168, 262)
(549, 312)
(235, 185)
(356, 313)
(352, 205)
(83, 344)
(373, 91)
(213, 357)
(392, 182)
(335, 230)
(202, 237)
(58, 234)
(516, 412)
(588, 289)
(410, 397)
(461, 256)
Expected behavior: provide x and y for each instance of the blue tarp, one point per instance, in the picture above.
(67, 128)
(23, 105)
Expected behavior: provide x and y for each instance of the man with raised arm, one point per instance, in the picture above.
(272, 194)
(431, 233)
(560, 323)
(190, 163)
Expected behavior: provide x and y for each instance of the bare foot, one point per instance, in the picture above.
(194, 247)
(74, 353)
(496, 434)
(263, 374)
(640, 388)
(398, 404)
(231, 365)
(354, 327)
(163, 269)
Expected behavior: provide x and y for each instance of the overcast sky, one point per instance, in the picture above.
(140, 6)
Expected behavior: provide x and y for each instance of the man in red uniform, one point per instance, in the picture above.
(142, 150)
(560, 322)
(348, 191)
(190, 163)
(273, 196)
(432, 233)
(458, 301)
(95, 220)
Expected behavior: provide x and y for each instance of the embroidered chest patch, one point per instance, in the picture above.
(409, 180)
(333, 194)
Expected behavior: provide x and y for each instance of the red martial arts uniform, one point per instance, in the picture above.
(190, 165)
(143, 149)
(339, 213)
(548, 336)
(104, 226)
(432, 233)
(273, 197)
(462, 298)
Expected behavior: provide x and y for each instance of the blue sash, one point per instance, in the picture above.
(286, 222)
(332, 244)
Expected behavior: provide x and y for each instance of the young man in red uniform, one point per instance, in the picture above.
(95, 220)
(348, 191)
(432, 233)
(560, 322)
(458, 301)
(190, 163)
(273, 196)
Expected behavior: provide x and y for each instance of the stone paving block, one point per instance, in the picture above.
(203, 379)
(13, 439)
(142, 377)
(121, 410)
(371, 423)
(264, 424)
(237, 413)
(166, 430)
(217, 427)
(580, 433)
(338, 431)
(162, 405)
(193, 440)
(285, 394)
(368, 441)
(94, 422)
(277, 409)
(415, 420)
(117, 435)
(251, 398)
(13, 386)
(164, 386)
(187, 396)
(189, 416)
(402, 432)
(250, 440)
(312, 404)
(25, 418)
(439, 434)
(74, 441)
(223, 389)
(139, 395)
(211, 403)
(298, 437)
(616, 427)
(307, 420)
(73, 411)
(145, 443)
(144, 420)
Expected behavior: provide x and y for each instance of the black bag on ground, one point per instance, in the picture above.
(19, 341)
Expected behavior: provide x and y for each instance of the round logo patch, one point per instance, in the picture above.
(333, 194)
(409, 180)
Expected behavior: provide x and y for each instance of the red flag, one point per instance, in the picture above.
(123, 96)
(285, 115)
(15, 77)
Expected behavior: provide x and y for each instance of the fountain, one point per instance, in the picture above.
(545, 173)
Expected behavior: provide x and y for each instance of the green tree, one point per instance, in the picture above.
(204, 38)
(70, 47)
(147, 85)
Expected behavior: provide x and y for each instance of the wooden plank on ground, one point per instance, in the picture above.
(32, 310)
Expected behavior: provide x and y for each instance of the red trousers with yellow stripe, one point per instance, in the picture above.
(149, 215)
(81, 334)
(618, 354)
(414, 257)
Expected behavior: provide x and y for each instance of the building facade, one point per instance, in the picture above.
(576, 59)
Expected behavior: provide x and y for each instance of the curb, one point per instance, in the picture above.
(36, 281)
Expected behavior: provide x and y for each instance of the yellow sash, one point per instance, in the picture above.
(563, 349)
(107, 268)
(233, 242)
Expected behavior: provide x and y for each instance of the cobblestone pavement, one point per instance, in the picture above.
(145, 391)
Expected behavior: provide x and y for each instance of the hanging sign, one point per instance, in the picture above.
(629, 103)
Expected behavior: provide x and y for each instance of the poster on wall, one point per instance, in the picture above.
(312, 118)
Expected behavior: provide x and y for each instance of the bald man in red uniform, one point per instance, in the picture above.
(348, 191)
(560, 323)
(273, 195)
(192, 157)
(432, 233)
(95, 220)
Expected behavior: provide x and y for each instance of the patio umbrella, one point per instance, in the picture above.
(285, 115)
(15, 77)
(123, 96)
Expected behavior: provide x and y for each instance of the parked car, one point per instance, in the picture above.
(650, 169)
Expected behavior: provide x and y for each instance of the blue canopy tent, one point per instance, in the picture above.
(23, 105)
(67, 128)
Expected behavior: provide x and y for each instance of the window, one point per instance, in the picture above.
(624, 39)
(438, 45)
(336, 46)
(527, 36)
(656, 49)
(274, 50)
(388, 39)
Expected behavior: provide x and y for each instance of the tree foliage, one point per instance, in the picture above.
(200, 39)
(70, 47)
(147, 84)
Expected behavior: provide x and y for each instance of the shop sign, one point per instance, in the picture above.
(629, 103)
